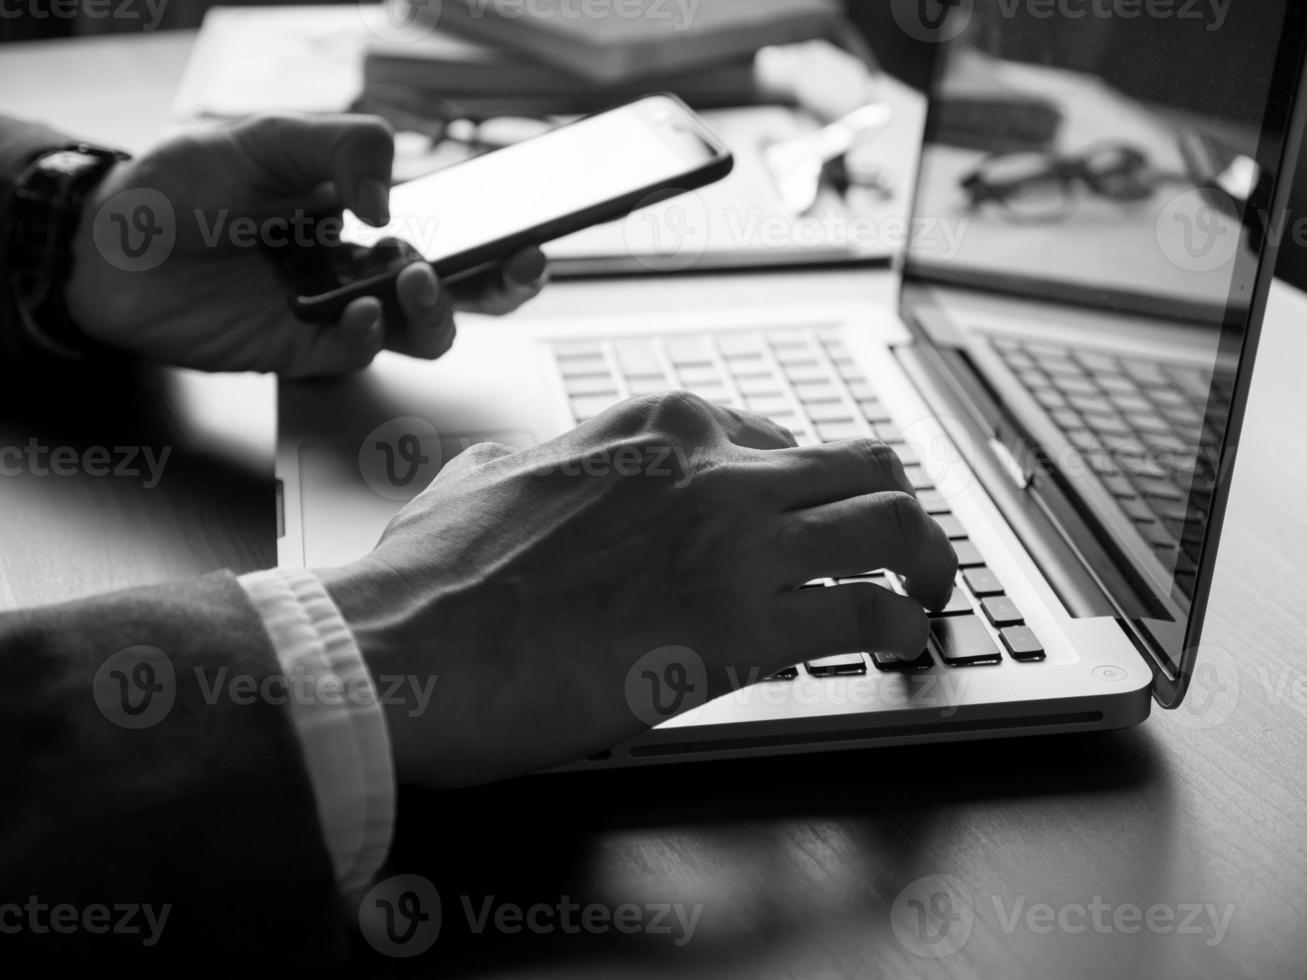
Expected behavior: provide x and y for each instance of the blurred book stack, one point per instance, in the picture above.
(543, 56)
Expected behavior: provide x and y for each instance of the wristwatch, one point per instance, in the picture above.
(39, 224)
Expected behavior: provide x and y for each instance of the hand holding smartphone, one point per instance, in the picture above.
(466, 217)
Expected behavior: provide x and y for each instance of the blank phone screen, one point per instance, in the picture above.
(532, 183)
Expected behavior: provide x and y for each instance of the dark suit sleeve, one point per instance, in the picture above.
(21, 142)
(193, 799)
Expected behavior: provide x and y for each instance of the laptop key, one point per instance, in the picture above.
(963, 641)
(951, 525)
(588, 406)
(982, 582)
(842, 665)
(1022, 644)
(959, 603)
(595, 384)
(889, 663)
(648, 385)
(932, 502)
(1001, 611)
(836, 431)
(968, 554)
(639, 359)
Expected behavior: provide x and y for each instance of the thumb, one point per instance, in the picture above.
(299, 153)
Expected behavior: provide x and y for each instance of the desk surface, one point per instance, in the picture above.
(796, 863)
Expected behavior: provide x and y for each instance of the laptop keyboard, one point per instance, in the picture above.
(1136, 424)
(808, 382)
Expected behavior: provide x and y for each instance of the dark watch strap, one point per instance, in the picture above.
(40, 222)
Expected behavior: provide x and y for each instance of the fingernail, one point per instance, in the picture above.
(372, 332)
(428, 293)
(374, 201)
(529, 268)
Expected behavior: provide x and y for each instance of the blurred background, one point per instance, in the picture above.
(881, 41)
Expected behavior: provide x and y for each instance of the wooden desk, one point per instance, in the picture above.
(796, 863)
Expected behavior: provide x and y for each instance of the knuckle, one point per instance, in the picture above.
(879, 455)
(910, 521)
(671, 412)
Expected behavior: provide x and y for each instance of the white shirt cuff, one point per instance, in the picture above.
(337, 714)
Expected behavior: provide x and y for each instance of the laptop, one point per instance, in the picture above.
(1064, 376)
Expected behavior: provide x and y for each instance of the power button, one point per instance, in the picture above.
(1109, 672)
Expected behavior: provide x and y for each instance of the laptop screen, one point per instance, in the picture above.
(1108, 171)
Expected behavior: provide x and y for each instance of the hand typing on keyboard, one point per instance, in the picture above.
(532, 582)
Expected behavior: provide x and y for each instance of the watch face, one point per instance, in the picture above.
(68, 161)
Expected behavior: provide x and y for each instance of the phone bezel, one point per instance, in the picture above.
(681, 124)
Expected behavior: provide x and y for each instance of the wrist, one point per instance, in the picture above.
(46, 216)
(358, 594)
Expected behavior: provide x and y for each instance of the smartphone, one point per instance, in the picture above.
(464, 218)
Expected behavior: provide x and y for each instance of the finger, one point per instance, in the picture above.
(881, 530)
(504, 288)
(299, 153)
(426, 311)
(349, 345)
(816, 475)
(854, 618)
